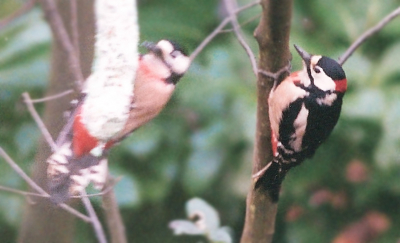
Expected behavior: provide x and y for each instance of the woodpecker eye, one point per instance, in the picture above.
(174, 54)
(317, 69)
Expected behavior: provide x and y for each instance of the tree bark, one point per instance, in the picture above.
(43, 222)
(272, 35)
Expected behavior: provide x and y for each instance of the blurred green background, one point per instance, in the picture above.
(201, 145)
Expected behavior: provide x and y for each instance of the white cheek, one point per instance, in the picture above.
(323, 82)
(327, 100)
(165, 46)
(305, 80)
(179, 64)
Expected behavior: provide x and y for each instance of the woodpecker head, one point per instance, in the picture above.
(322, 72)
(172, 56)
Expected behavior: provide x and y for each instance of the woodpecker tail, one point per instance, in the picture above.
(271, 178)
(69, 176)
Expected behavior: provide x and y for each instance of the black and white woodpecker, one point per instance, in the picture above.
(82, 157)
(303, 110)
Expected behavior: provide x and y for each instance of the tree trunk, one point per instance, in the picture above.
(272, 35)
(43, 222)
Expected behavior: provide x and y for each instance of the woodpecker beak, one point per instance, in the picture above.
(303, 54)
(152, 47)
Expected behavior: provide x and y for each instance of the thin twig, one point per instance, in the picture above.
(61, 36)
(74, 29)
(62, 136)
(36, 187)
(21, 11)
(208, 39)
(16, 191)
(242, 24)
(230, 7)
(25, 193)
(101, 237)
(368, 34)
(217, 30)
(275, 76)
(53, 97)
(112, 214)
(39, 122)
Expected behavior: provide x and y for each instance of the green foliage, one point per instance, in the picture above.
(201, 145)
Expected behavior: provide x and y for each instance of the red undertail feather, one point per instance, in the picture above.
(82, 142)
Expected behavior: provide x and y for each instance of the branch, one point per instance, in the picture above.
(368, 34)
(272, 35)
(39, 122)
(23, 10)
(74, 29)
(24, 193)
(230, 7)
(52, 97)
(36, 187)
(218, 30)
(60, 33)
(246, 22)
(98, 229)
(113, 216)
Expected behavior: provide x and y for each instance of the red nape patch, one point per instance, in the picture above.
(274, 144)
(295, 77)
(82, 141)
(341, 85)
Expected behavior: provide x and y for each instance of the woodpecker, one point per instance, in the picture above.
(81, 158)
(303, 110)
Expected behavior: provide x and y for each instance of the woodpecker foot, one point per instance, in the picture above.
(277, 74)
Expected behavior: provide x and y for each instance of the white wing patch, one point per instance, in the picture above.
(327, 100)
(300, 125)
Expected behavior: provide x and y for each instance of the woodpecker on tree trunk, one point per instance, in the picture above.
(303, 110)
(82, 157)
